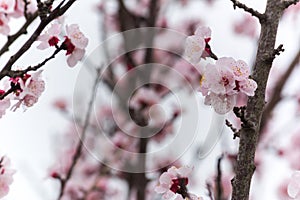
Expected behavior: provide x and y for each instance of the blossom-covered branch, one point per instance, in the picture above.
(78, 151)
(58, 11)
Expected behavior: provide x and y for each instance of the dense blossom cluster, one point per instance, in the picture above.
(6, 175)
(221, 82)
(26, 91)
(74, 41)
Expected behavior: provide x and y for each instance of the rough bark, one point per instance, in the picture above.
(250, 133)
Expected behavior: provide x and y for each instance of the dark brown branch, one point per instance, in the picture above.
(253, 12)
(58, 11)
(255, 105)
(21, 31)
(11, 90)
(78, 150)
(288, 3)
(277, 90)
(209, 188)
(20, 73)
(218, 181)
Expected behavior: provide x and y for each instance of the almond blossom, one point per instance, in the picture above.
(197, 47)
(293, 188)
(173, 182)
(221, 83)
(31, 88)
(7, 6)
(50, 38)
(75, 44)
(6, 174)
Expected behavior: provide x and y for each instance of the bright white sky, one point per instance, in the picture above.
(27, 138)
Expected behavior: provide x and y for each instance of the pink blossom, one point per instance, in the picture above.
(7, 6)
(6, 176)
(76, 36)
(4, 28)
(222, 104)
(248, 87)
(197, 47)
(293, 188)
(19, 8)
(173, 183)
(4, 104)
(220, 79)
(50, 38)
(32, 87)
(75, 44)
(223, 81)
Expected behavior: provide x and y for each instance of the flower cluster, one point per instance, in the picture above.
(30, 88)
(173, 182)
(74, 41)
(6, 175)
(221, 82)
(26, 90)
(12, 8)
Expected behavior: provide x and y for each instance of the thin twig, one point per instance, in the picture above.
(253, 12)
(218, 180)
(19, 73)
(58, 11)
(23, 30)
(236, 132)
(77, 154)
(209, 188)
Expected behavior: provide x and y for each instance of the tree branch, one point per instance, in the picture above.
(255, 105)
(78, 151)
(19, 73)
(288, 3)
(253, 12)
(219, 179)
(58, 11)
(21, 31)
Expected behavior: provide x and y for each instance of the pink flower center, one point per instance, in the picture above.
(237, 86)
(178, 184)
(225, 81)
(4, 6)
(1, 23)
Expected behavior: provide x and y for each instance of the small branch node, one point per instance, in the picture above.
(278, 50)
